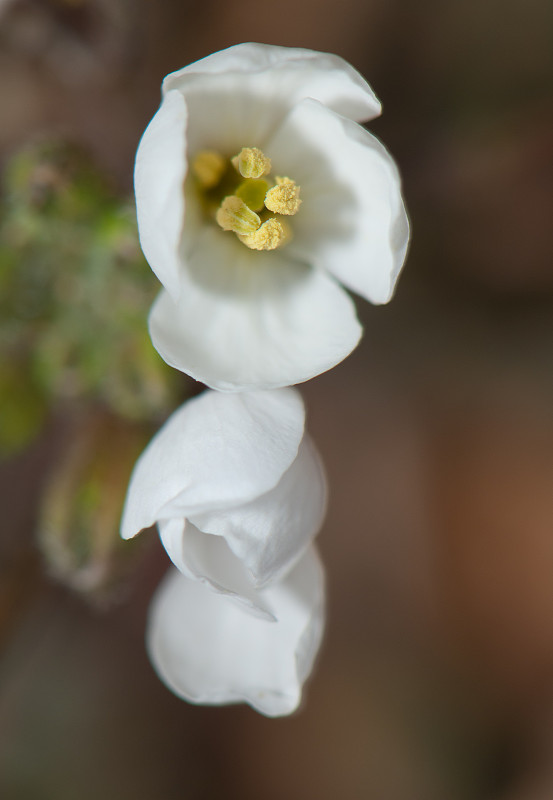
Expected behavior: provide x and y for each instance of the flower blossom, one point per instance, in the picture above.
(208, 649)
(258, 193)
(236, 489)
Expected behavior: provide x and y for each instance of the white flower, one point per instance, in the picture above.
(237, 490)
(208, 649)
(285, 194)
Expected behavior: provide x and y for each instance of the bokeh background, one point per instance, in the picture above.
(435, 680)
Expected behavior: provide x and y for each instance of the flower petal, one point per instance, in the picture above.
(269, 534)
(249, 320)
(352, 221)
(208, 559)
(209, 650)
(159, 173)
(274, 77)
(216, 451)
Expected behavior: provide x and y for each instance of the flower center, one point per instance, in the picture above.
(241, 196)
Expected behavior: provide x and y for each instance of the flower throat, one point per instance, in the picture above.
(243, 198)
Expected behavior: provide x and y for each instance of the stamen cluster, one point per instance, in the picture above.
(252, 210)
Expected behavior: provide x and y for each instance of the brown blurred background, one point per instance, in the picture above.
(435, 681)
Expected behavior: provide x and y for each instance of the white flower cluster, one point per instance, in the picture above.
(258, 193)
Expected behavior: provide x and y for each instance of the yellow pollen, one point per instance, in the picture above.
(251, 163)
(284, 198)
(233, 196)
(208, 167)
(269, 236)
(234, 215)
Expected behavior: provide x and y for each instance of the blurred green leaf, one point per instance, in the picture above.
(75, 292)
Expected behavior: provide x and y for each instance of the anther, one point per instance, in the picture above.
(234, 215)
(208, 167)
(251, 163)
(269, 236)
(284, 198)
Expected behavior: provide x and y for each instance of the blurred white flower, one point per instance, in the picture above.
(208, 649)
(237, 490)
(257, 190)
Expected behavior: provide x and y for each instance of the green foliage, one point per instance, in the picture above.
(74, 295)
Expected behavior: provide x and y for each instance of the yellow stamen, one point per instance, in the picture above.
(234, 197)
(251, 163)
(208, 167)
(284, 198)
(234, 215)
(269, 236)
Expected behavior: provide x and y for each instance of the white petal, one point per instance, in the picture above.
(216, 451)
(271, 532)
(234, 84)
(249, 320)
(209, 650)
(159, 173)
(208, 559)
(352, 221)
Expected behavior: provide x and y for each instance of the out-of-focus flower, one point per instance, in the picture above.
(231, 479)
(81, 505)
(208, 649)
(257, 190)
